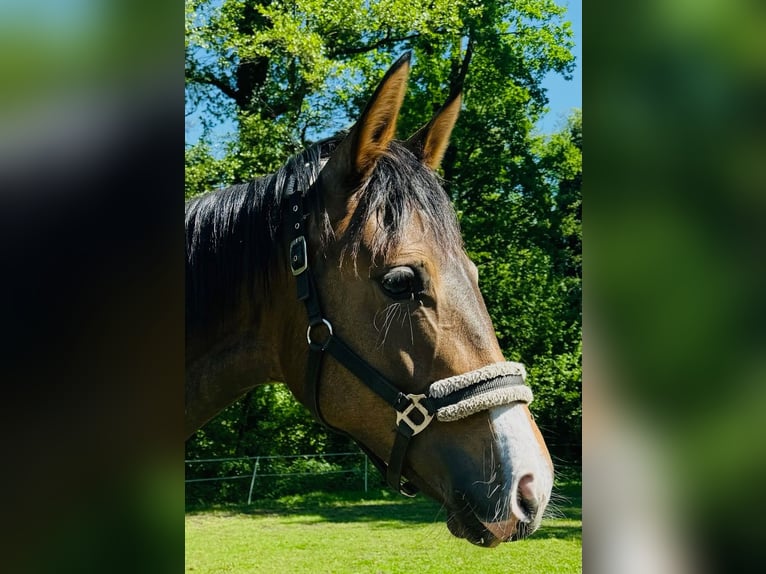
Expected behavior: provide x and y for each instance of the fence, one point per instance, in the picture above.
(262, 467)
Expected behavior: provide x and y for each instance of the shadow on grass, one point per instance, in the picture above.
(376, 505)
(388, 509)
(424, 512)
(548, 531)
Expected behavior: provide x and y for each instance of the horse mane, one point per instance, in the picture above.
(233, 234)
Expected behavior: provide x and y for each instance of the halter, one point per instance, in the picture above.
(447, 400)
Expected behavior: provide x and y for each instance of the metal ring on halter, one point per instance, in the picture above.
(314, 345)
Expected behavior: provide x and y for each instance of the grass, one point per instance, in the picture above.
(377, 533)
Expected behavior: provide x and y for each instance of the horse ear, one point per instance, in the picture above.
(356, 156)
(430, 142)
(377, 125)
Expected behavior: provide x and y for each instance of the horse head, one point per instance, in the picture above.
(391, 280)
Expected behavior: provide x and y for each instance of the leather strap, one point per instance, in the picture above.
(363, 371)
(393, 470)
(306, 291)
(398, 452)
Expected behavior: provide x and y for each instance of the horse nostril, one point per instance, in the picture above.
(526, 498)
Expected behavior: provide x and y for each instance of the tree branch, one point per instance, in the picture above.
(387, 41)
(208, 78)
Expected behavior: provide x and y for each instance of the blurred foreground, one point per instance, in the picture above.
(674, 368)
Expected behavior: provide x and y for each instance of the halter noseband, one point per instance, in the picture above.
(448, 400)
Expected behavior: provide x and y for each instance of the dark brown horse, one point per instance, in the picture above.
(343, 275)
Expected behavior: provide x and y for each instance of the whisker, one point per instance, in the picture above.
(499, 505)
(389, 313)
(385, 318)
(375, 319)
(394, 310)
(412, 332)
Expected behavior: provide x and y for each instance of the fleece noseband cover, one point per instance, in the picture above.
(491, 386)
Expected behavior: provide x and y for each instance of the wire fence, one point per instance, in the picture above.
(234, 479)
(287, 473)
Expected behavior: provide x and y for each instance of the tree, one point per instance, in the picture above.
(289, 72)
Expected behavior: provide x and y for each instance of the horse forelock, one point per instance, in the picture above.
(399, 191)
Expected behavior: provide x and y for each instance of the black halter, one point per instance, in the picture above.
(413, 412)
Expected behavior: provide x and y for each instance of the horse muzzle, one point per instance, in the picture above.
(480, 518)
(502, 496)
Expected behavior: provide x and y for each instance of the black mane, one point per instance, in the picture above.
(233, 234)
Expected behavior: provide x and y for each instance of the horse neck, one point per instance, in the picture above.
(247, 352)
(233, 348)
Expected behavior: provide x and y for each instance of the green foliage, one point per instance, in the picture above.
(267, 418)
(204, 172)
(288, 73)
(526, 239)
(267, 421)
(558, 403)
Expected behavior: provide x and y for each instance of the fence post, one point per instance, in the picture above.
(365, 473)
(252, 480)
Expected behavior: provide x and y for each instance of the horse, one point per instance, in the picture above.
(344, 276)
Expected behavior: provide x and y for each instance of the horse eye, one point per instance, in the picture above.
(400, 282)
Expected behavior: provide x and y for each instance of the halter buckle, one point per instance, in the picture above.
(299, 260)
(414, 404)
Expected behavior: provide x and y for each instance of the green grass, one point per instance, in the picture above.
(377, 533)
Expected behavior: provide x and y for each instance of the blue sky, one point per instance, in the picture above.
(564, 95)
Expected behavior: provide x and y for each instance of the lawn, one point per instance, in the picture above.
(379, 532)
